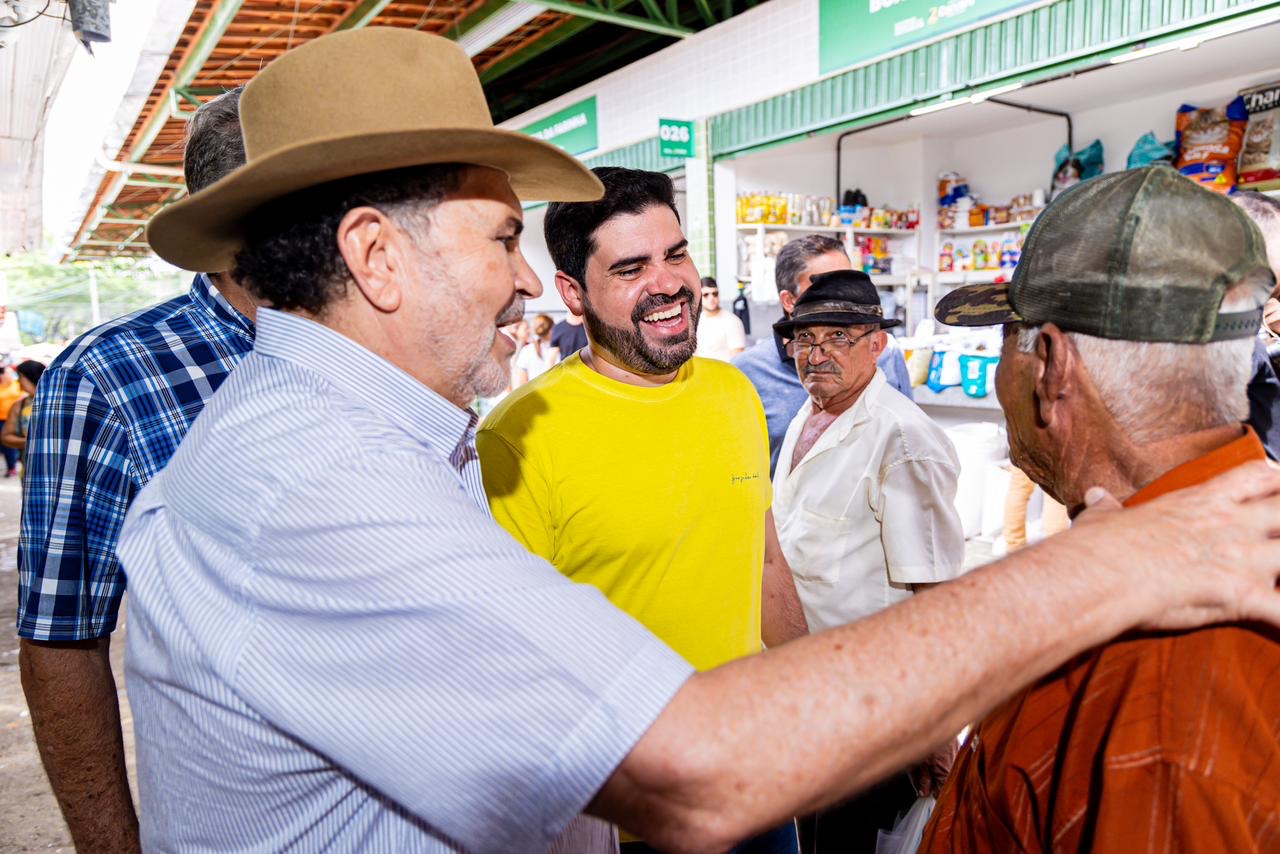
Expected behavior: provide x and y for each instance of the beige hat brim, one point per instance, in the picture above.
(204, 232)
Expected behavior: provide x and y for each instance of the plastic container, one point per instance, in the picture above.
(944, 370)
(978, 374)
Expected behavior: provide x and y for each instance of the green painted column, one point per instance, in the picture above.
(699, 178)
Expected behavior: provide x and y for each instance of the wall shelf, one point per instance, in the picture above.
(984, 229)
(819, 229)
(973, 277)
(953, 397)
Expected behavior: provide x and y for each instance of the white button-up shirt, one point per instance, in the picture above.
(333, 646)
(870, 510)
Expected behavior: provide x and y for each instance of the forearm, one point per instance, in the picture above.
(71, 693)
(844, 708)
(781, 614)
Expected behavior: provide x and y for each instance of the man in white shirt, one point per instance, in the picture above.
(720, 332)
(863, 500)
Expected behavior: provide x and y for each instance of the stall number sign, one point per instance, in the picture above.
(854, 32)
(574, 128)
(675, 138)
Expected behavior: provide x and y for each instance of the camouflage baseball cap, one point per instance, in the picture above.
(1141, 255)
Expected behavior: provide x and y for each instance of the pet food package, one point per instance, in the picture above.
(1209, 142)
(1071, 168)
(1260, 159)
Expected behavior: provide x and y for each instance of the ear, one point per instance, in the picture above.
(376, 252)
(571, 292)
(879, 340)
(1055, 372)
(788, 301)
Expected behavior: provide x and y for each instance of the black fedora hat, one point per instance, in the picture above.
(838, 298)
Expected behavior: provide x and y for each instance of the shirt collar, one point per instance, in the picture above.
(368, 377)
(205, 294)
(1235, 453)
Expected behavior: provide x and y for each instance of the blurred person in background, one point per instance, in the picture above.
(112, 410)
(720, 332)
(864, 501)
(1053, 518)
(568, 336)
(537, 356)
(10, 392)
(767, 364)
(1158, 741)
(1264, 387)
(18, 423)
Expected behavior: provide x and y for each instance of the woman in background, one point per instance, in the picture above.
(536, 357)
(10, 393)
(14, 434)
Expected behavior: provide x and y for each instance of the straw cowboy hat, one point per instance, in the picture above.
(348, 104)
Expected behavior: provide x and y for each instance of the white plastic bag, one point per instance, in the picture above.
(906, 834)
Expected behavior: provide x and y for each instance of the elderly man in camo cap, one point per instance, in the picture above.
(1129, 330)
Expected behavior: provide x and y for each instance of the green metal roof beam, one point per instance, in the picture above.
(156, 185)
(651, 7)
(197, 54)
(635, 22)
(475, 19)
(704, 9)
(361, 15)
(187, 95)
(560, 34)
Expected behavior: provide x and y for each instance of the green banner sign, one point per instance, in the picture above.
(574, 128)
(675, 138)
(852, 32)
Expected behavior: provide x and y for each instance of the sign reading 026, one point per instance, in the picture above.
(675, 138)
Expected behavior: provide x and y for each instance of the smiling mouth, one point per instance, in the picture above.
(668, 313)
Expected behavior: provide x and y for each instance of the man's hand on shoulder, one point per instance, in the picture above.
(1230, 526)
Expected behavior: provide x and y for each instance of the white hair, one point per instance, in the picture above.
(1157, 390)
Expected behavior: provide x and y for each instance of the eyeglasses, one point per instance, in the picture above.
(706, 294)
(836, 342)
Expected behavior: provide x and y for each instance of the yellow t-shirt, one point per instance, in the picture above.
(655, 496)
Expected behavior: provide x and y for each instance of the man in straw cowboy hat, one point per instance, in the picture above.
(357, 656)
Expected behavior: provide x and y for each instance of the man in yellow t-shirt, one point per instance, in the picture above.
(632, 466)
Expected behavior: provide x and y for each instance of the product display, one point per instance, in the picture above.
(959, 208)
(1148, 151)
(1070, 168)
(1209, 142)
(821, 212)
(1260, 159)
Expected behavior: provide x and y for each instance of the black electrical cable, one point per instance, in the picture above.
(39, 14)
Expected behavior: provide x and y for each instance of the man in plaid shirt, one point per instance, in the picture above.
(109, 413)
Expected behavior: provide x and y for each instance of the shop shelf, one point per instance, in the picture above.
(821, 229)
(953, 397)
(973, 277)
(983, 229)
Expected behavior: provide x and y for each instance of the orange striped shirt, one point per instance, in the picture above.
(1153, 743)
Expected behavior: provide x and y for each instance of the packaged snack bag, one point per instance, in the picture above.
(1209, 141)
(1260, 159)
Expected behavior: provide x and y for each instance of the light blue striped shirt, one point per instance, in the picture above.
(330, 642)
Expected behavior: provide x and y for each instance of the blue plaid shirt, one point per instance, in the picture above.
(109, 413)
